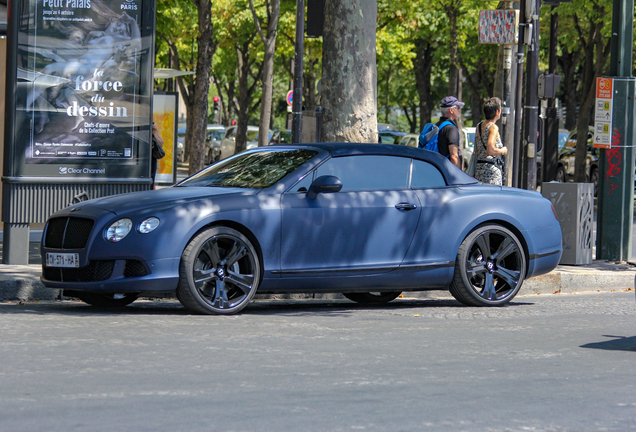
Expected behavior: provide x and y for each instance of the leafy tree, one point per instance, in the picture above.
(194, 91)
(584, 28)
(272, 8)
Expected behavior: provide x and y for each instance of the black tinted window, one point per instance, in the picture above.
(425, 175)
(252, 170)
(368, 172)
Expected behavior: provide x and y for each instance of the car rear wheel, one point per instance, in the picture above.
(103, 300)
(219, 272)
(372, 297)
(560, 174)
(490, 267)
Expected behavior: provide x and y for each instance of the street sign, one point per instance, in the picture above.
(603, 113)
(290, 97)
(498, 26)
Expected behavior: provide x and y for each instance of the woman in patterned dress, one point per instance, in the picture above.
(489, 167)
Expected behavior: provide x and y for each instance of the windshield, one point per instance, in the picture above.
(217, 134)
(252, 170)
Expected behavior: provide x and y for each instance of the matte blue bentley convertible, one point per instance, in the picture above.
(366, 220)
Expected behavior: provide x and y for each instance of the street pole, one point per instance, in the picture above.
(516, 158)
(616, 180)
(531, 108)
(550, 157)
(297, 103)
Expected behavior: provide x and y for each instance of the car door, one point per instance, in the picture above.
(366, 228)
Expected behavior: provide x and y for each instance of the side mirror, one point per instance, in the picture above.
(324, 184)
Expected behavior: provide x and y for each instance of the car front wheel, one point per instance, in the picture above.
(372, 297)
(490, 267)
(560, 174)
(219, 272)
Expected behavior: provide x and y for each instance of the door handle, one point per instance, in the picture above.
(405, 206)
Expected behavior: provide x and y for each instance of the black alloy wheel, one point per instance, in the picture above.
(219, 273)
(490, 267)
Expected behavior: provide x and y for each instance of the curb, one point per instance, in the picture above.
(22, 282)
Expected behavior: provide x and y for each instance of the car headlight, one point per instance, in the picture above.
(118, 230)
(148, 225)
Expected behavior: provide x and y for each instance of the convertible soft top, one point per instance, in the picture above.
(454, 176)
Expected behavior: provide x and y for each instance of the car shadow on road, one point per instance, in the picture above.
(617, 343)
(259, 307)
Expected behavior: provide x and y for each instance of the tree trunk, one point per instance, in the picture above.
(422, 64)
(349, 75)
(199, 124)
(596, 55)
(454, 80)
(569, 63)
(243, 54)
(273, 10)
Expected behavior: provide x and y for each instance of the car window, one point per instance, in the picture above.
(358, 173)
(252, 135)
(426, 175)
(254, 170)
(470, 139)
(563, 138)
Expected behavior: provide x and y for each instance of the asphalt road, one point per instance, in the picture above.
(543, 363)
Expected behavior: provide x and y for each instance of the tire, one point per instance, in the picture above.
(372, 297)
(210, 157)
(560, 174)
(104, 300)
(219, 273)
(490, 267)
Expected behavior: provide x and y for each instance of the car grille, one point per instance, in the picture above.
(95, 271)
(68, 233)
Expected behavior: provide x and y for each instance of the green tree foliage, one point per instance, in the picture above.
(584, 45)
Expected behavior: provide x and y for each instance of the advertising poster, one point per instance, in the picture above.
(83, 89)
(164, 114)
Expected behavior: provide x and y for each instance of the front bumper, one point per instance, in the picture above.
(161, 276)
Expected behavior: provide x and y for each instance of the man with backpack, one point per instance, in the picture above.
(444, 135)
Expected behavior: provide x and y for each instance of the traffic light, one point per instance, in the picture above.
(216, 103)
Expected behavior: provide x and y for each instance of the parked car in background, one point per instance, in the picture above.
(365, 220)
(468, 145)
(565, 167)
(382, 127)
(281, 136)
(228, 143)
(390, 137)
(410, 140)
(214, 135)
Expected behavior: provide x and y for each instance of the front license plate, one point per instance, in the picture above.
(62, 260)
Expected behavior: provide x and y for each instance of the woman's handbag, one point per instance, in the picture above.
(157, 151)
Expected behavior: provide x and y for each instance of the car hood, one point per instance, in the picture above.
(168, 197)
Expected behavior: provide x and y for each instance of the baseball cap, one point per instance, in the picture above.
(450, 101)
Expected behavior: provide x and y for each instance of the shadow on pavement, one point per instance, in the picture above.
(259, 307)
(617, 343)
